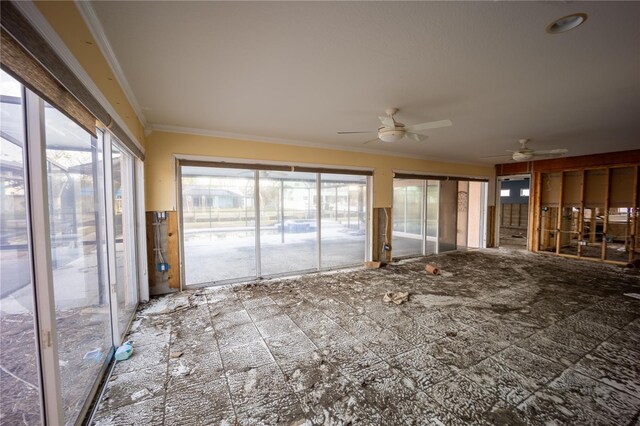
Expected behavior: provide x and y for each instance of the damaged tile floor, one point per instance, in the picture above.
(501, 337)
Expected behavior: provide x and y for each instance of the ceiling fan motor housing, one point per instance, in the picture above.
(391, 135)
(522, 156)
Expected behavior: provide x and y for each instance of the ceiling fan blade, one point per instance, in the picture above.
(372, 140)
(350, 133)
(558, 151)
(416, 137)
(429, 125)
(496, 156)
(388, 122)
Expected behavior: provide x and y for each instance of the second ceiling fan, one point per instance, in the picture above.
(393, 131)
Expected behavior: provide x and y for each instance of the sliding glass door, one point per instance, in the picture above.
(408, 217)
(246, 223)
(56, 307)
(218, 219)
(122, 172)
(344, 219)
(433, 216)
(20, 399)
(82, 309)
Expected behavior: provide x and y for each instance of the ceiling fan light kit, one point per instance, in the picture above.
(389, 135)
(392, 131)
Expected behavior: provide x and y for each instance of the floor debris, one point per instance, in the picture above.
(431, 269)
(140, 394)
(634, 295)
(174, 355)
(182, 370)
(398, 297)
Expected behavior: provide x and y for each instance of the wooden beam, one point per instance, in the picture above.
(375, 242)
(173, 249)
(559, 218)
(534, 213)
(634, 227)
(630, 158)
(151, 254)
(581, 213)
(605, 225)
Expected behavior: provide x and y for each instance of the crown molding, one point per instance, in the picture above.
(94, 25)
(254, 138)
(226, 135)
(40, 23)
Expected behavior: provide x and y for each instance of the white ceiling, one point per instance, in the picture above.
(302, 71)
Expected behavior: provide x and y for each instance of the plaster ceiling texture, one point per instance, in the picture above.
(301, 71)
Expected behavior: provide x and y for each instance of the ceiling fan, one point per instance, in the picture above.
(393, 131)
(526, 154)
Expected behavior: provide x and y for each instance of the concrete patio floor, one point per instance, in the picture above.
(501, 337)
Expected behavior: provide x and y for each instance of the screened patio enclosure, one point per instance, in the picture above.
(242, 223)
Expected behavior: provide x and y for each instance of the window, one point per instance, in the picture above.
(505, 192)
(524, 192)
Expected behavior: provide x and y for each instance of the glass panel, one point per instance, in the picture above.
(463, 215)
(219, 219)
(476, 214)
(20, 396)
(433, 206)
(344, 219)
(408, 222)
(124, 233)
(288, 234)
(81, 300)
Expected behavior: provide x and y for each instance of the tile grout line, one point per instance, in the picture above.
(226, 379)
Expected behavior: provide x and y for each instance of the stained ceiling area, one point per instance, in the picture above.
(299, 72)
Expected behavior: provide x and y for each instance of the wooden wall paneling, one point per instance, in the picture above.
(375, 242)
(605, 225)
(151, 253)
(173, 249)
(629, 158)
(622, 189)
(581, 213)
(389, 231)
(559, 217)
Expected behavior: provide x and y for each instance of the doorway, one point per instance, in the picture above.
(513, 212)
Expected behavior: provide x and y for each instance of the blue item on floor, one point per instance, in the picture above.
(124, 351)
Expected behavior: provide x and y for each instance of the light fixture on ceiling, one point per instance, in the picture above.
(391, 135)
(566, 23)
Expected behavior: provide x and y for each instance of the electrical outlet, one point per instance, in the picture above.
(162, 267)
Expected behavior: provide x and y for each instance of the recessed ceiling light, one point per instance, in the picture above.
(566, 23)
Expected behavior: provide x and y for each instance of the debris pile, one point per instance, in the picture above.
(398, 297)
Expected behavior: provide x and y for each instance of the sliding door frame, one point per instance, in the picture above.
(215, 162)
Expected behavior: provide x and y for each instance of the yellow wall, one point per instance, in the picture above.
(162, 146)
(66, 20)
